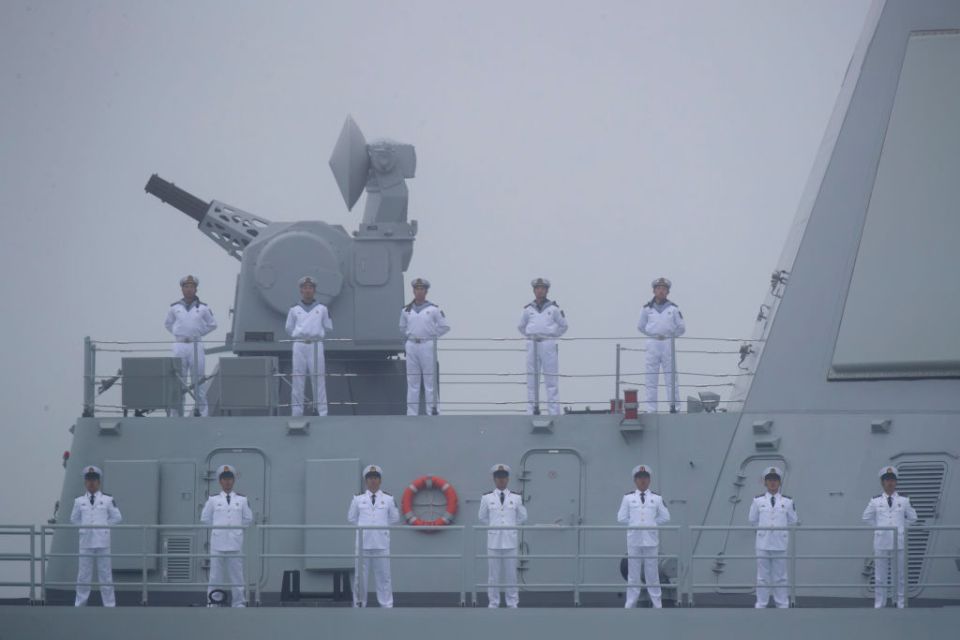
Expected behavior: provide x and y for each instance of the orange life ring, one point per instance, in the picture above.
(429, 482)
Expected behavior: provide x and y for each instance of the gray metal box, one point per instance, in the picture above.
(247, 385)
(151, 383)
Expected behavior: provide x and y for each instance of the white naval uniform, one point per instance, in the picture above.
(95, 545)
(422, 325)
(226, 545)
(772, 546)
(541, 324)
(643, 509)
(368, 509)
(502, 543)
(897, 512)
(188, 324)
(661, 322)
(308, 324)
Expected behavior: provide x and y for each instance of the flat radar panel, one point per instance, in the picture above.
(902, 312)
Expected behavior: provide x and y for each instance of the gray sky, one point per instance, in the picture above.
(598, 144)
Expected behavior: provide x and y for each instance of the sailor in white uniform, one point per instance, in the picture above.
(542, 322)
(422, 322)
(889, 509)
(227, 508)
(661, 320)
(502, 508)
(189, 320)
(94, 508)
(643, 508)
(772, 509)
(373, 507)
(308, 322)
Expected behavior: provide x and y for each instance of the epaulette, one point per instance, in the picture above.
(529, 304)
(879, 495)
(387, 494)
(654, 493)
(106, 494)
(240, 494)
(173, 304)
(360, 494)
(649, 305)
(628, 493)
(760, 495)
(408, 307)
(786, 496)
(214, 495)
(488, 493)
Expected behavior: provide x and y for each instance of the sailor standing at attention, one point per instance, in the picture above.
(308, 322)
(661, 319)
(373, 507)
(889, 509)
(189, 320)
(94, 508)
(227, 508)
(541, 323)
(422, 322)
(502, 508)
(643, 508)
(772, 509)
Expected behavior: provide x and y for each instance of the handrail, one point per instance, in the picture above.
(686, 555)
(184, 385)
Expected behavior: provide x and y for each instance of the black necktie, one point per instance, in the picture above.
(373, 498)
(643, 497)
(773, 501)
(889, 501)
(91, 499)
(502, 497)
(228, 498)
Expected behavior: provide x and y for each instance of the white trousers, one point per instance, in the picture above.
(185, 351)
(104, 576)
(421, 362)
(502, 570)
(651, 575)
(234, 570)
(660, 357)
(883, 579)
(373, 559)
(306, 362)
(772, 571)
(544, 353)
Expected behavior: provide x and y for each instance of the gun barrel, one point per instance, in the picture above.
(176, 197)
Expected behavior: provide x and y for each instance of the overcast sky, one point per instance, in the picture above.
(598, 144)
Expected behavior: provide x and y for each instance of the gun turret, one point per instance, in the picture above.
(231, 228)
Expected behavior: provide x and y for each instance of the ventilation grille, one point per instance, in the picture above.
(922, 482)
(177, 568)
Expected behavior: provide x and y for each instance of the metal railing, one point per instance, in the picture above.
(259, 555)
(576, 584)
(469, 386)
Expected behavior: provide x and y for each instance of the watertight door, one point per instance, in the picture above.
(552, 489)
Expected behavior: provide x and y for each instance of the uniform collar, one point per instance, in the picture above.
(225, 494)
(196, 302)
(505, 492)
(372, 493)
(96, 494)
(776, 495)
(308, 306)
(889, 495)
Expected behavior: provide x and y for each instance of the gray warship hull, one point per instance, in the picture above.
(837, 381)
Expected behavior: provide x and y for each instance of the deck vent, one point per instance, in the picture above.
(922, 482)
(177, 568)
